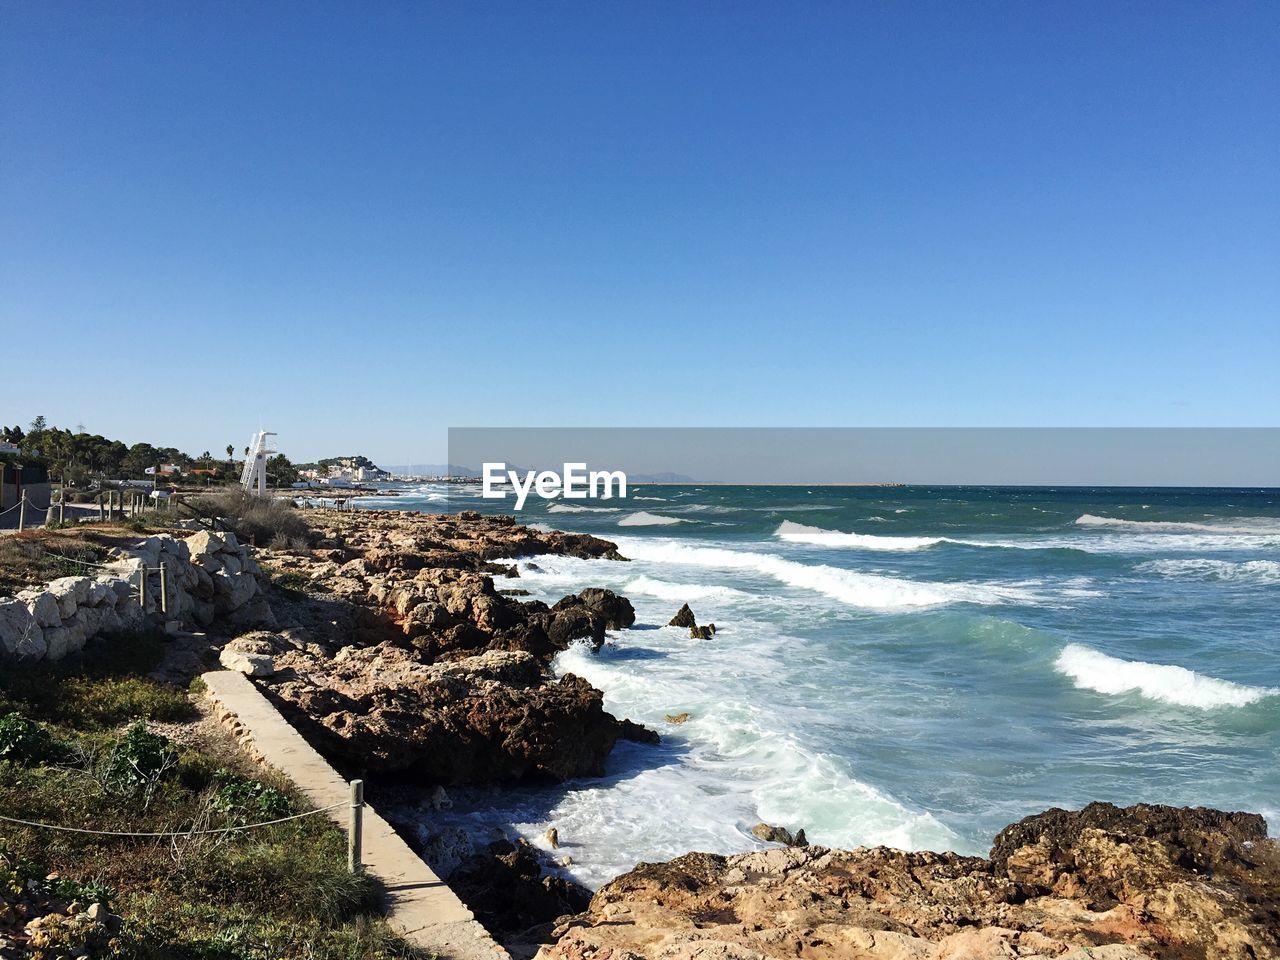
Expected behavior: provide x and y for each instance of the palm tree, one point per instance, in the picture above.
(231, 450)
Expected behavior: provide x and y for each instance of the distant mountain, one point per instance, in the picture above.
(659, 478)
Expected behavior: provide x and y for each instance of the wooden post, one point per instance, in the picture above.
(142, 588)
(355, 830)
(22, 512)
(164, 588)
(62, 506)
(102, 508)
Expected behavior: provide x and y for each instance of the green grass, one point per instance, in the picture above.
(274, 892)
(100, 689)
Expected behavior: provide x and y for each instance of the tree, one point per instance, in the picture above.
(231, 450)
(281, 470)
(39, 425)
(138, 459)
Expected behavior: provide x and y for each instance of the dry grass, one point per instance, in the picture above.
(261, 521)
(36, 556)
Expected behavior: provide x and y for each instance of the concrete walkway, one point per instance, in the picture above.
(420, 907)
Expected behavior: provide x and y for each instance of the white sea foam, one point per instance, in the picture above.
(1204, 568)
(867, 590)
(1135, 541)
(662, 499)
(741, 763)
(800, 533)
(1256, 526)
(643, 519)
(1093, 670)
(666, 590)
(579, 508)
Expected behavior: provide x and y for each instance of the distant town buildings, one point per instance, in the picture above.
(342, 473)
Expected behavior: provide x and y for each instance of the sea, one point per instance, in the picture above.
(908, 666)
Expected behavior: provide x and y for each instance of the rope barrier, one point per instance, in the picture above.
(85, 563)
(172, 833)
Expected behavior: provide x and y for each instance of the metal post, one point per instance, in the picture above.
(62, 506)
(22, 512)
(142, 588)
(102, 508)
(355, 830)
(164, 588)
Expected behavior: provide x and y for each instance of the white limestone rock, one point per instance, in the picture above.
(44, 609)
(69, 592)
(19, 633)
(250, 664)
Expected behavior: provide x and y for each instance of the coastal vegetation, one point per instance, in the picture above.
(264, 521)
(77, 457)
(92, 742)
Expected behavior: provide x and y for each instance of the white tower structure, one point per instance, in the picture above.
(254, 477)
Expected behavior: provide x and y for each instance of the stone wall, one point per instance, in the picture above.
(207, 577)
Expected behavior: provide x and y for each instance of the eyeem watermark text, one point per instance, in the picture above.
(576, 483)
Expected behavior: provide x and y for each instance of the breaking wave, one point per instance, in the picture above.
(666, 590)
(865, 590)
(1256, 526)
(578, 508)
(800, 533)
(1244, 571)
(1092, 670)
(643, 519)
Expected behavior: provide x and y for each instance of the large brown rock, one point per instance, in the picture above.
(438, 677)
(488, 718)
(1104, 883)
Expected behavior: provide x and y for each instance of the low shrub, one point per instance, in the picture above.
(23, 741)
(138, 760)
(250, 801)
(257, 520)
(290, 581)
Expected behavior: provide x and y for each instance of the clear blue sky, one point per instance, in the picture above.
(398, 217)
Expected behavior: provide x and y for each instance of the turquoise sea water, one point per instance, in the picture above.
(910, 666)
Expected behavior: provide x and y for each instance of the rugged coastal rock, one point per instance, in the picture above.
(490, 718)
(416, 667)
(1104, 883)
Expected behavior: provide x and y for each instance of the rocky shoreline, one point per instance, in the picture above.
(1103, 883)
(387, 645)
(403, 663)
(412, 668)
